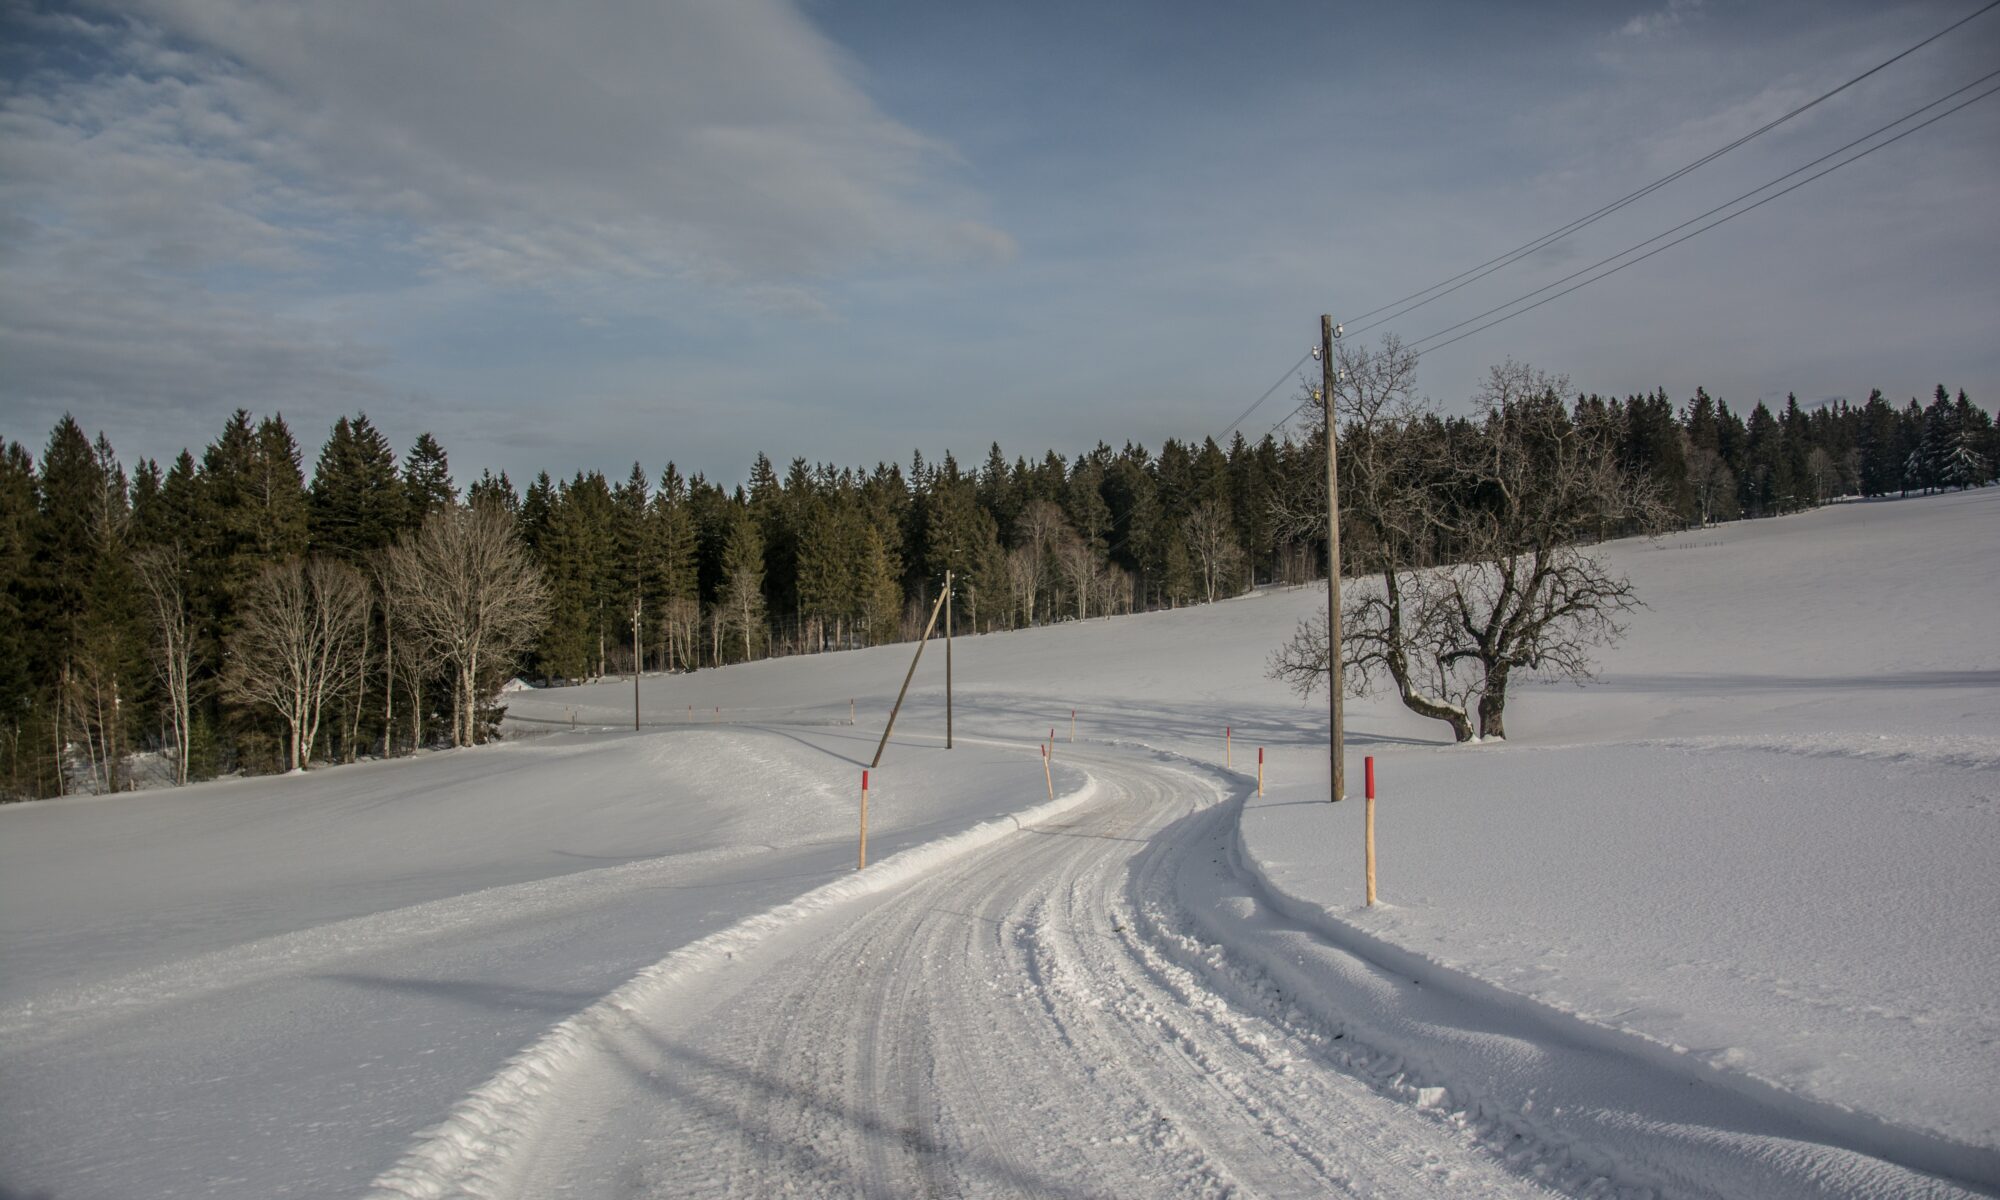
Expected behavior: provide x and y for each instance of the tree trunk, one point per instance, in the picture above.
(1398, 663)
(388, 687)
(1493, 703)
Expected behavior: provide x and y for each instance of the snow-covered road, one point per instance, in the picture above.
(1720, 927)
(1021, 1021)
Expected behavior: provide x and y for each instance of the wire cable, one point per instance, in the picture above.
(1488, 267)
(1712, 224)
(1269, 391)
(1767, 185)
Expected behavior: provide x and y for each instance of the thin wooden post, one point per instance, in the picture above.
(1260, 770)
(850, 710)
(1368, 822)
(1048, 773)
(862, 862)
(638, 659)
(1328, 332)
(947, 660)
(914, 660)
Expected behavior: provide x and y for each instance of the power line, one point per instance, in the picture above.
(1289, 372)
(1488, 267)
(1718, 221)
(1711, 212)
(1474, 274)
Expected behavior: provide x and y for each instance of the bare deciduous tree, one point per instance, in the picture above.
(1211, 534)
(471, 597)
(298, 645)
(1474, 532)
(162, 573)
(682, 621)
(1024, 579)
(1037, 532)
(1078, 560)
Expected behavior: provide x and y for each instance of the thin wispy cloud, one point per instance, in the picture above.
(183, 176)
(568, 236)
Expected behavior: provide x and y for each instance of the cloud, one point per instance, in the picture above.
(1660, 21)
(210, 202)
(731, 142)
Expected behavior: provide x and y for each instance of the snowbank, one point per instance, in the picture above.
(1760, 852)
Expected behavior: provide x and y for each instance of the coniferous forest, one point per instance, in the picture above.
(252, 609)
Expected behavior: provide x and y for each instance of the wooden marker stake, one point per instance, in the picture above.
(1260, 770)
(863, 861)
(1048, 773)
(850, 712)
(1368, 821)
(1072, 727)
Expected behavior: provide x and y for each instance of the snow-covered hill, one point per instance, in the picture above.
(1757, 853)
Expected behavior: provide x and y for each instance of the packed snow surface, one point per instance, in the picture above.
(1720, 924)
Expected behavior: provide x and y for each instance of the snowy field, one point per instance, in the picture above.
(1718, 925)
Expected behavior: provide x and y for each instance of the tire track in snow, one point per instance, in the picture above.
(1005, 1025)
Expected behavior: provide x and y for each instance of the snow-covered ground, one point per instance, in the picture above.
(1720, 924)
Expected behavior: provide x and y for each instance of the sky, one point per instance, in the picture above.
(571, 237)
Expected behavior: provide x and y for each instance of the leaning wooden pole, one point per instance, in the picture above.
(911, 674)
(1328, 377)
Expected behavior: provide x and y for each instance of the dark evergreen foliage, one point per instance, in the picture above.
(822, 558)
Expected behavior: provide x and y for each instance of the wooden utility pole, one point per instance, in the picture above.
(638, 658)
(914, 659)
(947, 660)
(1328, 376)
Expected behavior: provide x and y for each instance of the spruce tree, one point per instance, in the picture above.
(494, 491)
(26, 746)
(427, 485)
(356, 505)
(279, 494)
(742, 599)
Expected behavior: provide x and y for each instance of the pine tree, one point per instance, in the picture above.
(26, 747)
(880, 581)
(427, 485)
(1878, 439)
(742, 599)
(1768, 479)
(631, 552)
(84, 602)
(672, 587)
(356, 504)
(494, 491)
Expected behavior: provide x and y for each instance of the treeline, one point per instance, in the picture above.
(128, 603)
(1713, 465)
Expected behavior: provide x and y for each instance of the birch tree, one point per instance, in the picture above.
(470, 595)
(162, 573)
(1212, 536)
(297, 645)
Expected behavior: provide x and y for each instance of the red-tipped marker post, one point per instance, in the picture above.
(1368, 820)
